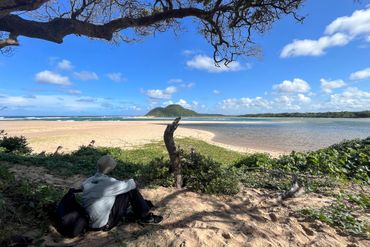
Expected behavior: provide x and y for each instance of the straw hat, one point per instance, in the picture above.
(106, 164)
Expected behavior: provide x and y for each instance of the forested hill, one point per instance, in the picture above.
(176, 111)
(171, 111)
(342, 114)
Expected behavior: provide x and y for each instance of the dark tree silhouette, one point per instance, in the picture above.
(228, 25)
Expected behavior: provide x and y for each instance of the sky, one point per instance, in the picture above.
(320, 65)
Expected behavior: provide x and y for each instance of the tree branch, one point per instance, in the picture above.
(227, 25)
(9, 6)
(58, 28)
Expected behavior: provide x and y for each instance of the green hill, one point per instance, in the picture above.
(171, 111)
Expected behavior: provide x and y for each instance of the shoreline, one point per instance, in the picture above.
(48, 135)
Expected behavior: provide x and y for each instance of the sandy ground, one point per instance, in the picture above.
(48, 135)
(254, 218)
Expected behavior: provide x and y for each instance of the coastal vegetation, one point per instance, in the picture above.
(341, 114)
(207, 169)
(171, 111)
(179, 111)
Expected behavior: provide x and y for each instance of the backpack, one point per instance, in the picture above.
(71, 218)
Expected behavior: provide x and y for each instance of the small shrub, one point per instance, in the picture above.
(257, 160)
(203, 174)
(157, 173)
(15, 144)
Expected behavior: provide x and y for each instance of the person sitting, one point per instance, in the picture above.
(106, 199)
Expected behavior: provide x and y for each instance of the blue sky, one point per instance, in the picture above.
(320, 65)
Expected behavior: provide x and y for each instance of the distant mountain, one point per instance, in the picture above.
(172, 111)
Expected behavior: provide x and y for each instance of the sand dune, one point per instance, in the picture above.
(251, 218)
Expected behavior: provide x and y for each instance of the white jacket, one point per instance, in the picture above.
(99, 195)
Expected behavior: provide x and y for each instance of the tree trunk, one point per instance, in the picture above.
(173, 152)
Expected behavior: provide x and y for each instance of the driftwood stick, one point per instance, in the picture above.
(293, 191)
(173, 151)
(57, 151)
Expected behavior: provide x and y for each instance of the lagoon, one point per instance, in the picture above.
(284, 134)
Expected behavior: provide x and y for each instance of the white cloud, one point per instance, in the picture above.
(203, 62)
(63, 104)
(361, 74)
(368, 38)
(351, 99)
(166, 103)
(327, 86)
(295, 86)
(177, 80)
(160, 94)
(308, 47)
(134, 108)
(216, 92)
(53, 103)
(49, 77)
(182, 83)
(86, 75)
(74, 92)
(87, 100)
(188, 85)
(303, 99)
(193, 105)
(65, 65)
(356, 24)
(183, 103)
(244, 103)
(338, 33)
(189, 52)
(116, 76)
(291, 102)
(285, 100)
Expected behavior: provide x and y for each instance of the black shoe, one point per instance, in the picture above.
(151, 219)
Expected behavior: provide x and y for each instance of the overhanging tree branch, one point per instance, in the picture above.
(8, 6)
(228, 25)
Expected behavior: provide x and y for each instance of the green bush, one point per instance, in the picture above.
(257, 160)
(15, 144)
(203, 174)
(157, 173)
(349, 160)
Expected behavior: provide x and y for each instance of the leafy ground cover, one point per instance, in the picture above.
(24, 204)
(344, 214)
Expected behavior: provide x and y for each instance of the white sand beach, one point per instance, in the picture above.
(48, 135)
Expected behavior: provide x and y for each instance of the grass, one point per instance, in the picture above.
(148, 152)
(83, 160)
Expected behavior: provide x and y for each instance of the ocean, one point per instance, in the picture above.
(275, 134)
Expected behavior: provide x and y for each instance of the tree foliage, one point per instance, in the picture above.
(228, 25)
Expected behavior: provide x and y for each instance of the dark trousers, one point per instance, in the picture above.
(123, 201)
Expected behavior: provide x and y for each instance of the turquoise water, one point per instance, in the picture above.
(286, 134)
(277, 134)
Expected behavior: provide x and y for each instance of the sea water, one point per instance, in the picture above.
(275, 134)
